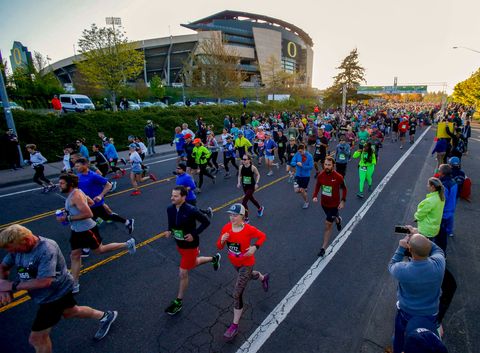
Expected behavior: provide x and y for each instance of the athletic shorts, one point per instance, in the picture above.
(192, 165)
(88, 239)
(188, 259)
(319, 158)
(49, 314)
(302, 182)
(137, 172)
(180, 153)
(402, 134)
(270, 158)
(331, 213)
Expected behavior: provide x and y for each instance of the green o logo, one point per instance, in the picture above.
(17, 56)
(292, 49)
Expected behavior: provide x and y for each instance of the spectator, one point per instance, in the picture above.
(451, 189)
(150, 130)
(10, 148)
(57, 105)
(429, 211)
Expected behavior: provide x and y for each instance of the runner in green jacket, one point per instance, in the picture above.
(201, 154)
(366, 166)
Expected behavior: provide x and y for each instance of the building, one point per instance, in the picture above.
(254, 38)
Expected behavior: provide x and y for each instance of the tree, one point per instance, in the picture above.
(108, 59)
(214, 66)
(156, 87)
(275, 78)
(351, 75)
(467, 92)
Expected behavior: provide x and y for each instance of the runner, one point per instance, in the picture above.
(188, 147)
(137, 171)
(214, 148)
(179, 141)
(342, 156)
(201, 154)
(85, 232)
(292, 149)
(363, 136)
(366, 167)
(37, 161)
(112, 156)
(96, 187)
(248, 178)
(42, 271)
(412, 128)
(320, 150)
(100, 160)
(238, 236)
(402, 130)
(303, 163)
(229, 156)
(330, 182)
(182, 224)
(282, 146)
(270, 147)
(242, 144)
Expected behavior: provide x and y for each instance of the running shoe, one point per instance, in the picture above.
(44, 190)
(227, 175)
(76, 288)
(135, 193)
(52, 188)
(152, 177)
(114, 186)
(270, 173)
(214, 179)
(360, 195)
(131, 246)
(231, 332)
(198, 190)
(339, 224)
(209, 213)
(260, 211)
(105, 323)
(174, 307)
(216, 261)
(123, 172)
(116, 176)
(305, 205)
(265, 281)
(85, 252)
(124, 161)
(99, 221)
(321, 253)
(451, 235)
(129, 225)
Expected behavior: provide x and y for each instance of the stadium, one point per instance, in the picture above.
(254, 39)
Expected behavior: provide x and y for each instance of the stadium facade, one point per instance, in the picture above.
(254, 39)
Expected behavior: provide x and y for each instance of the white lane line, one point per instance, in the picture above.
(36, 189)
(275, 318)
(473, 138)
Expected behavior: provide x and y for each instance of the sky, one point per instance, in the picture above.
(409, 39)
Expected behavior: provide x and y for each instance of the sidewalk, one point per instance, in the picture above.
(9, 177)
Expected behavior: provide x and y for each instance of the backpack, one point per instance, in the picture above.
(460, 146)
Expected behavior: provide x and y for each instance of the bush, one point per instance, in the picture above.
(51, 133)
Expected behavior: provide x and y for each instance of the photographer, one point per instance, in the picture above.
(419, 282)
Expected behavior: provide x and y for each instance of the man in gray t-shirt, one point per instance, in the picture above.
(41, 270)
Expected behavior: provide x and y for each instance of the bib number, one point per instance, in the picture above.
(364, 169)
(234, 249)
(178, 234)
(247, 180)
(327, 190)
(342, 157)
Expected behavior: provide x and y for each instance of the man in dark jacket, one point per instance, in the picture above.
(182, 224)
(150, 130)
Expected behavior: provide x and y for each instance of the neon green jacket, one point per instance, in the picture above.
(201, 154)
(363, 159)
(429, 214)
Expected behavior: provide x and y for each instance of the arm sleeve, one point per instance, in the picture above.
(308, 163)
(259, 235)
(219, 240)
(343, 186)
(42, 158)
(204, 222)
(317, 187)
(357, 154)
(396, 263)
(99, 179)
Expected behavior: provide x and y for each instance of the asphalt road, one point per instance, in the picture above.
(348, 308)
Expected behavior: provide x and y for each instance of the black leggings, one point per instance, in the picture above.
(39, 177)
(100, 211)
(213, 160)
(281, 155)
(113, 165)
(203, 171)
(231, 160)
(249, 196)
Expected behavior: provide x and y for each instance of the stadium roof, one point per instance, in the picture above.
(233, 15)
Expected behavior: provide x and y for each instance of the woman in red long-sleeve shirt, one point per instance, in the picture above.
(237, 236)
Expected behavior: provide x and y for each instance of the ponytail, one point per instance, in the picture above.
(437, 184)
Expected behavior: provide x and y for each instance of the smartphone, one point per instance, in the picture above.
(401, 229)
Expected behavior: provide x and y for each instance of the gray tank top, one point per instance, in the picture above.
(80, 225)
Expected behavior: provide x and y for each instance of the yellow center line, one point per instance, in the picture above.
(22, 294)
(51, 213)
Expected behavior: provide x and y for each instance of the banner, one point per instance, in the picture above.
(391, 89)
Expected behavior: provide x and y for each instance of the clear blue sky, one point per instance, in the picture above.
(411, 39)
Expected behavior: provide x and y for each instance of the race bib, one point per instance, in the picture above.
(280, 144)
(342, 157)
(327, 190)
(178, 234)
(363, 169)
(234, 249)
(247, 180)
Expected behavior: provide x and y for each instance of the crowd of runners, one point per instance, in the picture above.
(323, 145)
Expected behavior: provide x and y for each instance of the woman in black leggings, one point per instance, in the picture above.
(248, 178)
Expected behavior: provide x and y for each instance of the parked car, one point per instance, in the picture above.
(145, 105)
(13, 105)
(255, 102)
(160, 104)
(76, 103)
(228, 102)
(133, 106)
(210, 103)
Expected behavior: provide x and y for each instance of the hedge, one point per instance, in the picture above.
(51, 133)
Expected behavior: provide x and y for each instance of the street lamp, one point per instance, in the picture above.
(476, 51)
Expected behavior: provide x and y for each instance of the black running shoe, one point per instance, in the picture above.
(339, 224)
(105, 324)
(129, 226)
(174, 307)
(321, 252)
(216, 261)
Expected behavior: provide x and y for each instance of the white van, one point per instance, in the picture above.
(76, 103)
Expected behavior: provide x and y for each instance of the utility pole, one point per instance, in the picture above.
(8, 113)
(344, 99)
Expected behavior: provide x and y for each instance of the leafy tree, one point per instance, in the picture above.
(108, 59)
(214, 66)
(467, 92)
(276, 79)
(156, 87)
(351, 74)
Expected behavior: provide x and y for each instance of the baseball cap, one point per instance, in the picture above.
(149, 121)
(240, 132)
(237, 208)
(187, 136)
(229, 137)
(133, 145)
(197, 140)
(421, 338)
(292, 138)
(267, 133)
(454, 161)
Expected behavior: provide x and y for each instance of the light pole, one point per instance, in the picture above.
(474, 50)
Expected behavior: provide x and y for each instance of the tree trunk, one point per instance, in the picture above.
(114, 102)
